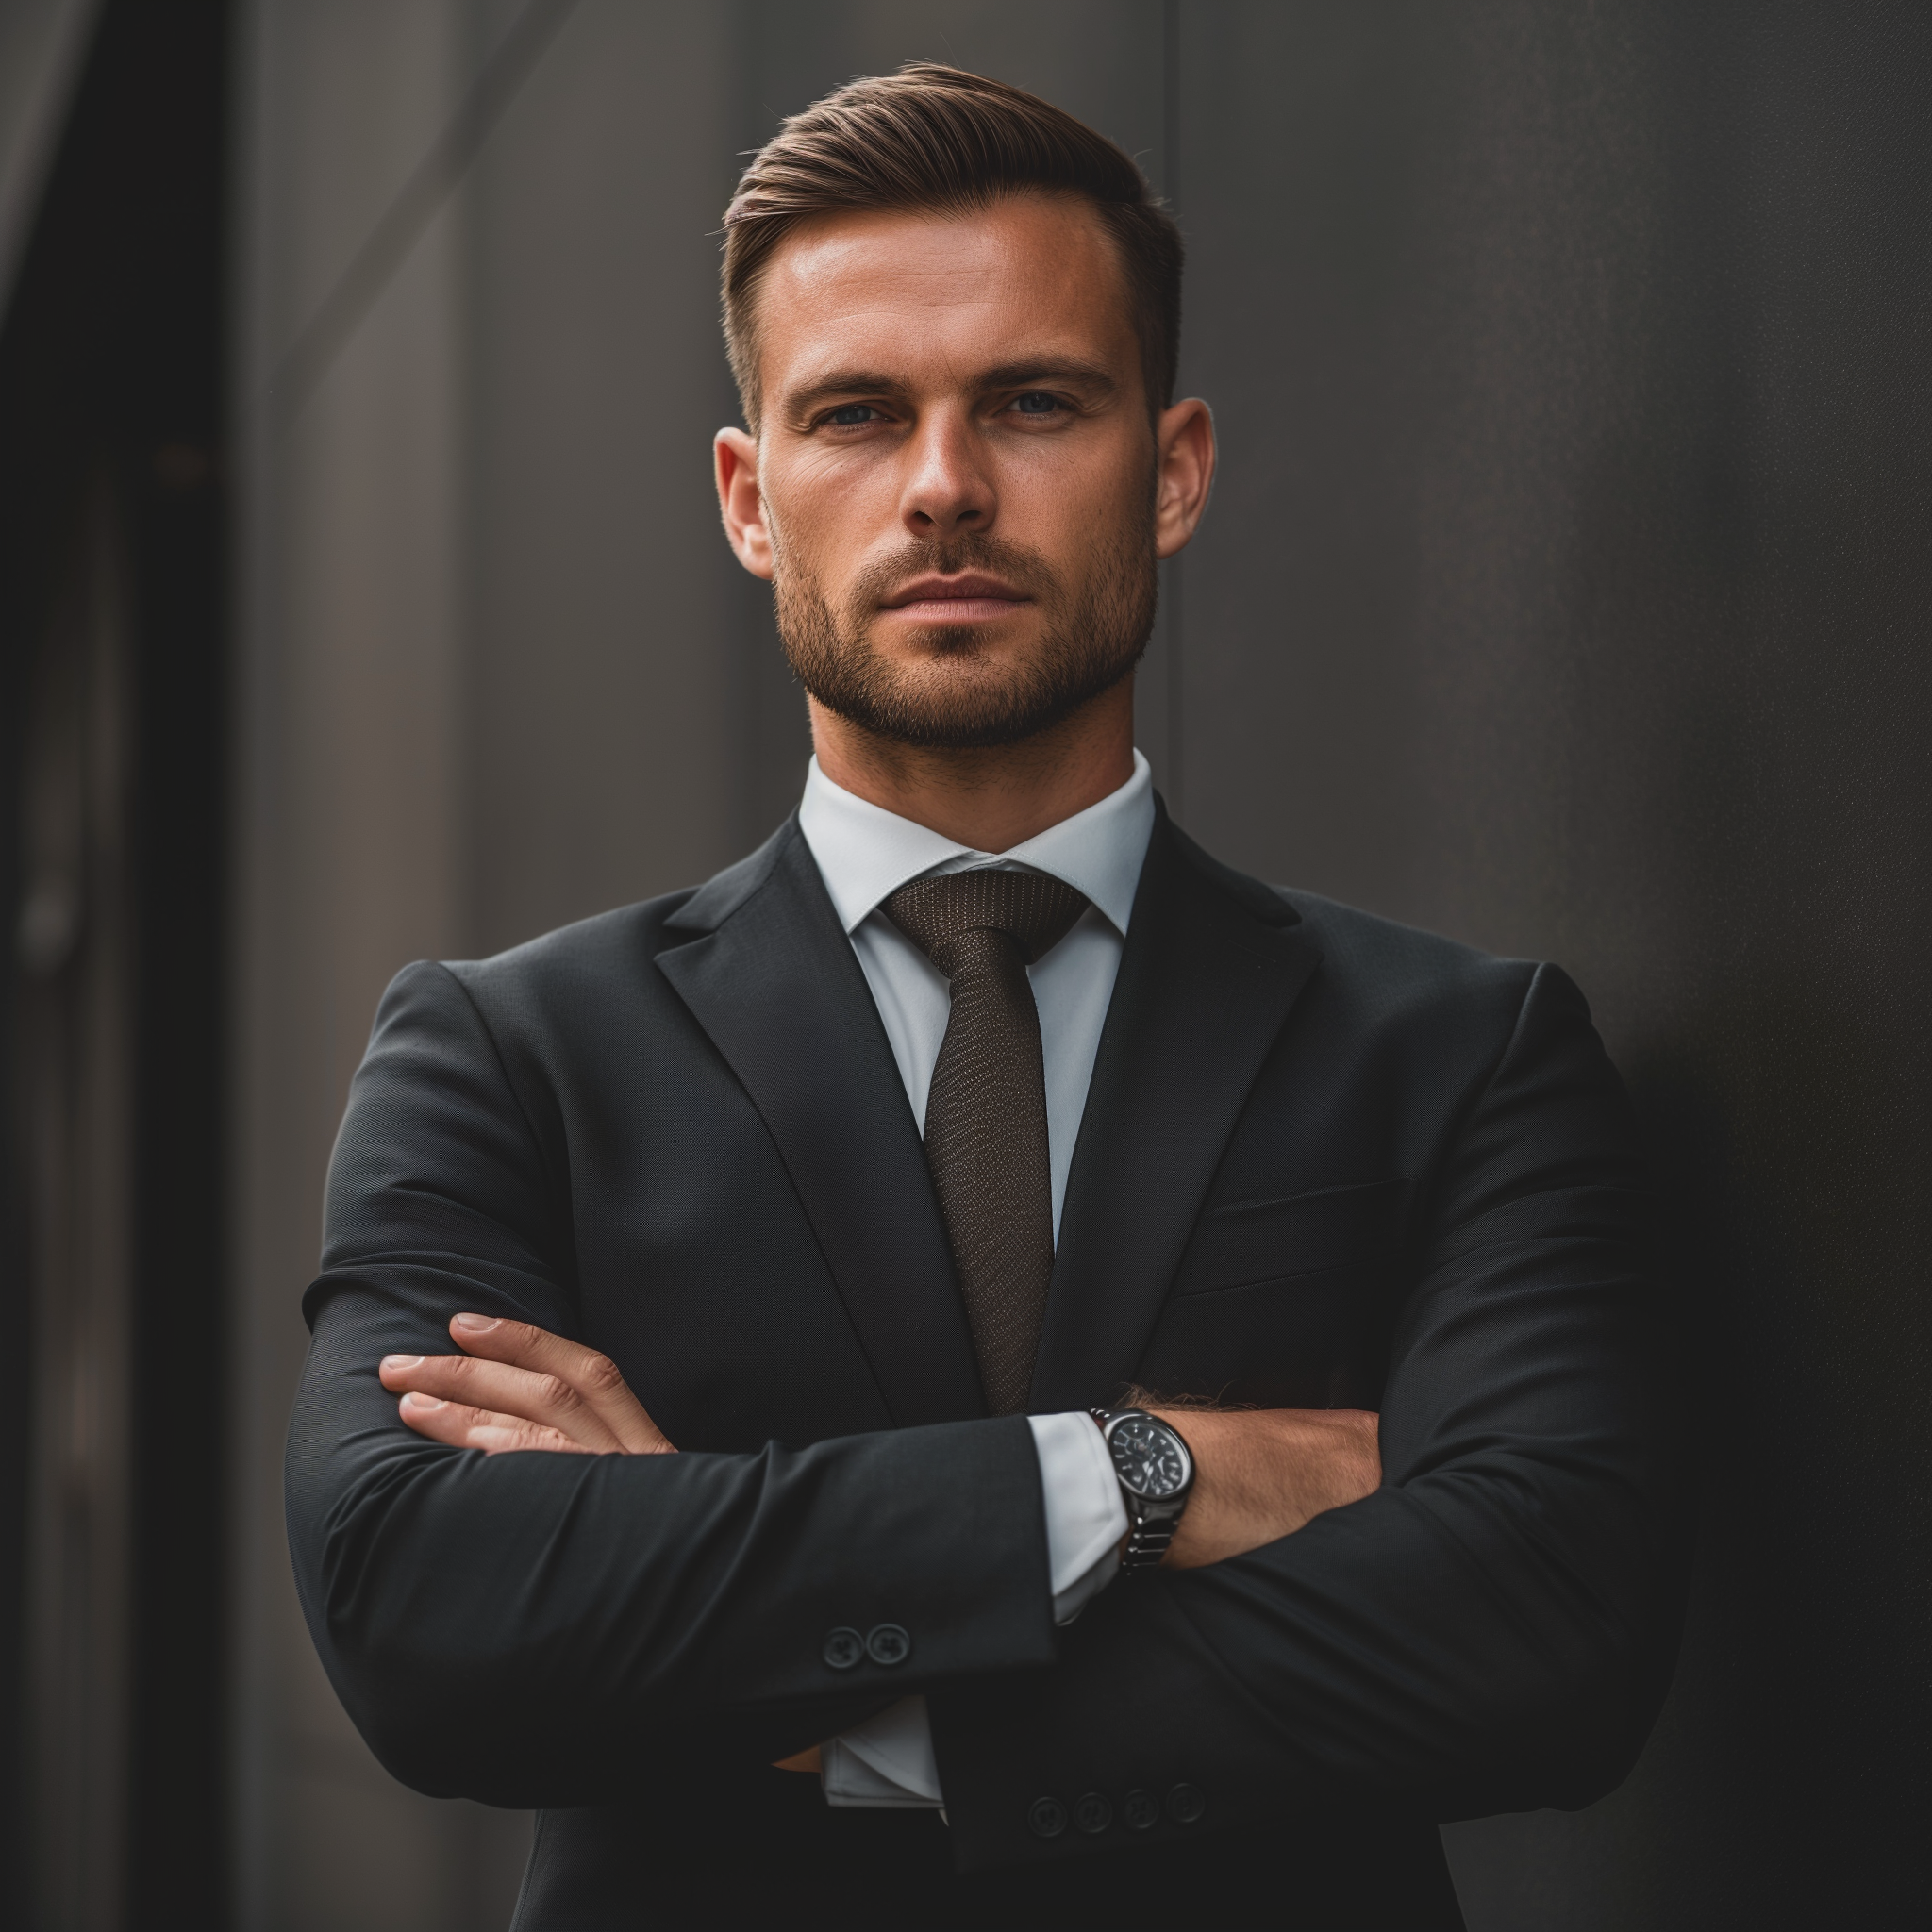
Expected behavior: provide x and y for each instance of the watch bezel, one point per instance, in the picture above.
(1112, 1420)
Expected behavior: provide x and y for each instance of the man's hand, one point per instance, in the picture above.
(515, 1387)
(1263, 1473)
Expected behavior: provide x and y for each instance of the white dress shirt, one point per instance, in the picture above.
(865, 854)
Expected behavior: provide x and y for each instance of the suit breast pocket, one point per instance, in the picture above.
(1274, 1302)
(1253, 1242)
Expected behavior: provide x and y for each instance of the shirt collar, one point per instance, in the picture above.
(866, 853)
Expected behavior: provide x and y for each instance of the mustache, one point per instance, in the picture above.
(1026, 570)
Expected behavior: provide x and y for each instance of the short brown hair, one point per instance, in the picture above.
(936, 138)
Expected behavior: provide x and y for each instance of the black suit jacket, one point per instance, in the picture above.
(1326, 1160)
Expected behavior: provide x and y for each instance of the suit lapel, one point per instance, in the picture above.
(773, 981)
(1212, 967)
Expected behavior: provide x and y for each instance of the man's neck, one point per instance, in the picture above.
(989, 797)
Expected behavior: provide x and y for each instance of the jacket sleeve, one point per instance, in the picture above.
(542, 1629)
(1493, 1629)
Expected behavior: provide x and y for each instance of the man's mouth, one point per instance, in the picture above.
(972, 597)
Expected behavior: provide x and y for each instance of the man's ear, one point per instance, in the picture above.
(736, 460)
(1184, 448)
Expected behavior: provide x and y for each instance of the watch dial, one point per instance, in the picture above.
(1147, 1457)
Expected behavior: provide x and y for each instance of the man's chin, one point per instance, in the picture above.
(967, 715)
(1001, 644)
(944, 686)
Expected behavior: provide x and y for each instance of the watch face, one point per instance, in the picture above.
(1148, 1457)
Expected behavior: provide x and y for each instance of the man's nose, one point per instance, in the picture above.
(948, 491)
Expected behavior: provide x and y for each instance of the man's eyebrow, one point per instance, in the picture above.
(874, 382)
(841, 382)
(1067, 369)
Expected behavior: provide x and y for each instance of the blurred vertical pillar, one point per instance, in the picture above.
(113, 728)
(487, 679)
(75, 942)
(350, 710)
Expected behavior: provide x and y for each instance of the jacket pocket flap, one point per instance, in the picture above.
(1263, 1240)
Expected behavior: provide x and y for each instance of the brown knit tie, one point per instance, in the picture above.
(986, 1110)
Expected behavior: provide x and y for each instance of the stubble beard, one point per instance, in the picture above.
(953, 697)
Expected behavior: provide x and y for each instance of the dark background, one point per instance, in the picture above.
(111, 520)
(1565, 590)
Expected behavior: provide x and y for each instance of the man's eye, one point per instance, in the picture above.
(1035, 402)
(852, 415)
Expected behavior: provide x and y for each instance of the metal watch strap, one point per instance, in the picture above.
(1147, 1543)
(1147, 1538)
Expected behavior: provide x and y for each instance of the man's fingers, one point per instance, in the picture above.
(570, 1396)
(593, 1376)
(464, 1427)
(501, 1389)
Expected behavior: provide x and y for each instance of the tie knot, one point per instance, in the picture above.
(1036, 912)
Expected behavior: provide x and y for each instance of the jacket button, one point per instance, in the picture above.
(889, 1645)
(1093, 1814)
(1048, 1817)
(1186, 1803)
(843, 1648)
(1141, 1809)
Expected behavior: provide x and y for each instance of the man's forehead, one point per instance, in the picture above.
(1029, 278)
(1003, 234)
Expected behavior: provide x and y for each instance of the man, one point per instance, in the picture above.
(1022, 1481)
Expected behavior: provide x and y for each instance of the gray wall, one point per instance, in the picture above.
(1562, 591)
(1567, 590)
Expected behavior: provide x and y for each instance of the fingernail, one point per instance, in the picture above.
(401, 1361)
(416, 1401)
(477, 1325)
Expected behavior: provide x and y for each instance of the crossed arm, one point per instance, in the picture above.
(1484, 1628)
(1259, 1473)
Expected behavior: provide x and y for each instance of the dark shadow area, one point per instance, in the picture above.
(112, 771)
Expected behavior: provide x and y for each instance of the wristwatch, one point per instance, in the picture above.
(1156, 1471)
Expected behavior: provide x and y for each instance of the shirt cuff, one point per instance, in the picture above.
(1086, 1519)
(885, 1764)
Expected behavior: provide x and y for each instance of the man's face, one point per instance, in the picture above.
(956, 469)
